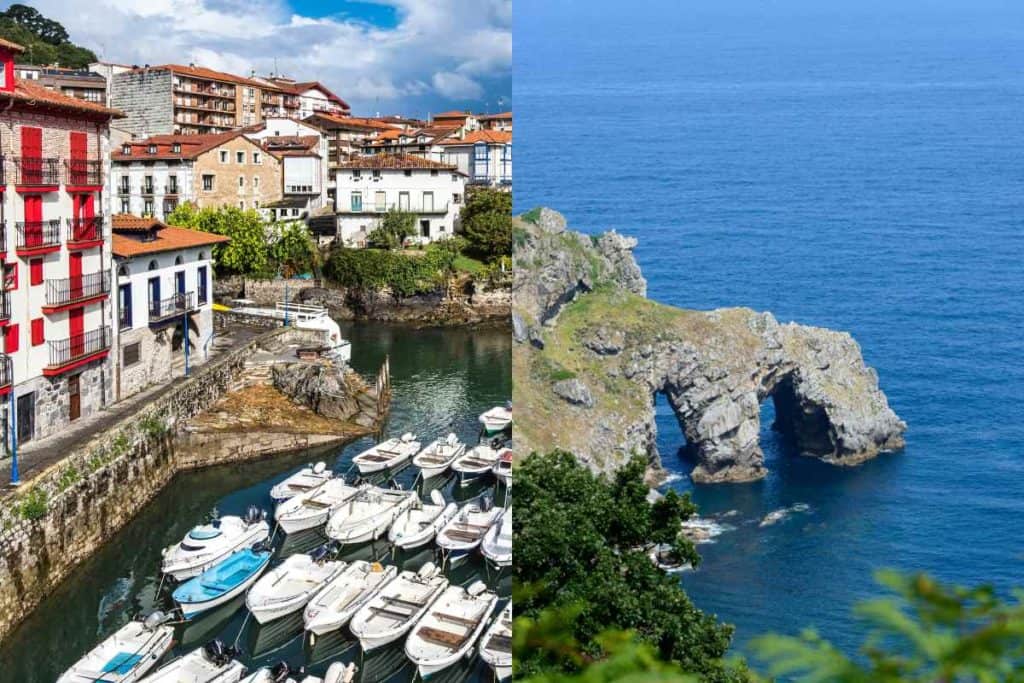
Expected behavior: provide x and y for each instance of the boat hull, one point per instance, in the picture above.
(293, 525)
(156, 645)
(187, 568)
(193, 609)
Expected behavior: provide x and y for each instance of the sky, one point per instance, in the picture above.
(411, 57)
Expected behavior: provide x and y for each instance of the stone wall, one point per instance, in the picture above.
(260, 183)
(69, 510)
(53, 401)
(145, 96)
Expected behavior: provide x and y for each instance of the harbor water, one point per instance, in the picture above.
(442, 379)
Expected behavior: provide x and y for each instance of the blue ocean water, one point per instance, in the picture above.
(856, 166)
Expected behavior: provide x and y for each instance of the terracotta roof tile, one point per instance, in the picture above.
(191, 146)
(211, 74)
(33, 94)
(11, 45)
(395, 161)
(168, 237)
(451, 115)
(502, 116)
(497, 137)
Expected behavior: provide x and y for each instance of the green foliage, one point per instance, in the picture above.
(34, 504)
(392, 230)
(925, 632)
(69, 476)
(405, 273)
(153, 427)
(45, 40)
(532, 215)
(247, 253)
(487, 222)
(293, 249)
(581, 545)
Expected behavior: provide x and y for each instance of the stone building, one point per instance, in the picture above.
(54, 303)
(152, 176)
(164, 302)
(82, 84)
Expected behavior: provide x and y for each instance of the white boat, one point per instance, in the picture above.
(497, 543)
(418, 525)
(209, 544)
(126, 655)
(502, 467)
(497, 419)
(313, 508)
(279, 673)
(398, 605)
(334, 605)
(213, 663)
(463, 534)
(290, 585)
(304, 317)
(496, 646)
(387, 454)
(438, 456)
(221, 583)
(303, 481)
(338, 672)
(368, 515)
(449, 628)
(475, 464)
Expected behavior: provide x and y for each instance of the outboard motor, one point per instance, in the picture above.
(155, 619)
(218, 653)
(320, 553)
(254, 515)
(214, 517)
(427, 571)
(486, 503)
(437, 498)
(280, 672)
(261, 547)
(319, 468)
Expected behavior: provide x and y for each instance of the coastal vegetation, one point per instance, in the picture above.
(487, 223)
(45, 41)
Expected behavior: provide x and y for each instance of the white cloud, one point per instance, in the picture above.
(442, 52)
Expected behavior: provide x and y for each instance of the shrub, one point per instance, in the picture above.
(34, 505)
(404, 273)
(487, 222)
(394, 227)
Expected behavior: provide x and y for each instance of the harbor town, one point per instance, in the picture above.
(227, 455)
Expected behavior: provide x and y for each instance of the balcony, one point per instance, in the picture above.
(124, 190)
(36, 172)
(173, 307)
(3, 171)
(422, 209)
(84, 233)
(72, 352)
(6, 374)
(5, 307)
(38, 236)
(71, 292)
(84, 173)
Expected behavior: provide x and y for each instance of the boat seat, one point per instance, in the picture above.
(500, 643)
(411, 603)
(394, 614)
(373, 457)
(461, 535)
(462, 621)
(446, 638)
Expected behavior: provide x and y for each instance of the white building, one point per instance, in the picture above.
(313, 97)
(368, 187)
(485, 156)
(303, 151)
(164, 287)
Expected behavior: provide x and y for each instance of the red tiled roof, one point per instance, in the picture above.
(496, 137)
(432, 132)
(191, 146)
(503, 116)
(34, 95)
(210, 74)
(451, 115)
(336, 121)
(168, 237)
(299, 88)
(10, 45)
(395, 161)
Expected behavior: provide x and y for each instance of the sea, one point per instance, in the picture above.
(854, 165)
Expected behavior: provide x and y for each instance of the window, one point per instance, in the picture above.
(295, 212)
(126, 149)
(124, 306)
(151, 149)
(408, 172)
(125, 208)
(433, 172)
(125, 185)
(380, 201)
(456, 198)
(256, 158)
(241, 204)
(255, 181)
(131, 355)
(403, 201)
(176, 148)
(223, 156)
(356, 173)
(241, 181)
(207, 182)
(147, 184)
(172, 184)
(428, 201)
(147, 207)
(37, 332)
(357, 201)
(35, 271)
(10, 276)
(201, 275)
(255, 203)
(240, 157)
(376, 174)
(11, 339)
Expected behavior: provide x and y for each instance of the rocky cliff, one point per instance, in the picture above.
(592, 352)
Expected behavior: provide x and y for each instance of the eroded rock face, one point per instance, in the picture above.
(331, 391)
(716, 368)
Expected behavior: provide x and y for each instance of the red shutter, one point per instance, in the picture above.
(35, 271)
(76, 165)
(75, 271)
(37, 332)
(76, 325)
(11, 339)
(33, 220)
(78, 146)
(31, 142)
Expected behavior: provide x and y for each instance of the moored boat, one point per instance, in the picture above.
(496, 646)
(398, 605)
(418, 525)
(387, 454)
(449, 628)
(502, 467)
(343, 596)
(222, 582)
(126, 655)
(290, 585)
(303, 481)
(209, 544)
(497, 419)
(464, 533)
(497, 544)
(314, 508)
(368, 515)
(214, 663)
(438, 456)
(338, 672)
(475, 464)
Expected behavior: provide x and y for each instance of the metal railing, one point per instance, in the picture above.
(85, 229)
(3, 236)
(384, 208)
(36, 171)
(71, 349)
(124, 318)
(84, 172)
(68, 290)
(6, 370)
(172, 307)
(5, 305)
(36, 234)
(3, 170)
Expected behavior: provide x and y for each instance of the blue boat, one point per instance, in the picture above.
(222, 582)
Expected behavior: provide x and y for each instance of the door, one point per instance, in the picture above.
(75, 273)
(76, 324)
(26, 417)
(425, 228)
(154, 297)
(75, 397)
(179, 279)
(32, 155)
(77, 165)
(33, 236)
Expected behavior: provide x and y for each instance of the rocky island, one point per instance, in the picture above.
(592, 352)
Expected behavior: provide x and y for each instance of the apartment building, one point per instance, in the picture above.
(313, 96)
(346, 137)
(421, 142)
(193, 100)
(500, 122)
(150, 177)
(302, 150)
(164, 301)
(368, 187)
(81, 84)
(485, 156)
(54, 303)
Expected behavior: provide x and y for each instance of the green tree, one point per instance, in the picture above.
(487, 222)
(393, 228)
(30, 19)
(293, 249)
(246, 253)
(582, 543)
(45, 40)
